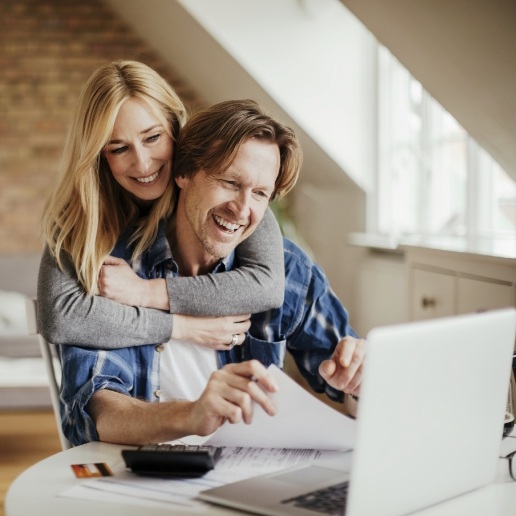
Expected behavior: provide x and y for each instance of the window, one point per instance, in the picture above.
(433, 178)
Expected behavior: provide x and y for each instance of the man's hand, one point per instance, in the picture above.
(344, 369)
(118, 282)
(229, 396)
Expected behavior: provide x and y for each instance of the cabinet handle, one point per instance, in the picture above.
(428, 302)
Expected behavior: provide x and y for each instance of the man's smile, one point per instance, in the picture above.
(226, 225)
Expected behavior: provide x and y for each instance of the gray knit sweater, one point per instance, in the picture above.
(67, 315)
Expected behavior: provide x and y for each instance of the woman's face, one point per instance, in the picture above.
(139, 152)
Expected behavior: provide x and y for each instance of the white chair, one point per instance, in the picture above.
(49, 354)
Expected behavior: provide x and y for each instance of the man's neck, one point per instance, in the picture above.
(187, 252)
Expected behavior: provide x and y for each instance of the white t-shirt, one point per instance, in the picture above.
(184, 370)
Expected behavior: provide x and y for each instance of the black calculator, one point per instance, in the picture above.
(171, 460)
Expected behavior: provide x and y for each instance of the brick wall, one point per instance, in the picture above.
(48, 48)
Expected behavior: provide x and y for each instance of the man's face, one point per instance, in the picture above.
(216, 212)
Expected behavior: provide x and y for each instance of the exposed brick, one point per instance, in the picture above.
(48, 48)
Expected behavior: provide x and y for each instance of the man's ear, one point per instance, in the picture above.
(181, 181)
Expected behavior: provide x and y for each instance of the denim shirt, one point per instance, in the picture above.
(309, 325)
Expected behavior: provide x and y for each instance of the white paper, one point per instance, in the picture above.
(301, 421)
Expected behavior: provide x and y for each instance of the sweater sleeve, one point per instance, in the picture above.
(67, 315)
(257, 285)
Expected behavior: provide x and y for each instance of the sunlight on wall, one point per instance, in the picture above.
(310, 57)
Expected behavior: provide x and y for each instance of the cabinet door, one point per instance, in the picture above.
(433, 294)
(477, 295)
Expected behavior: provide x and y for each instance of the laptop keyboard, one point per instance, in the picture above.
(328, 500)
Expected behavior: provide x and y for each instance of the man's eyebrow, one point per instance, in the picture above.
(145, 131)
(228, 174)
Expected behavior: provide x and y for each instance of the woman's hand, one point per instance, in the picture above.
(212, 332)
(118, 282)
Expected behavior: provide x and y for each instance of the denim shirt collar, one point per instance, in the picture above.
(155, 260)
(226, 264)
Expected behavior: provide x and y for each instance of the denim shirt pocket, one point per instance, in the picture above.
(264, 351)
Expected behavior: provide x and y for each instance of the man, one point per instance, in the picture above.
(231, 161)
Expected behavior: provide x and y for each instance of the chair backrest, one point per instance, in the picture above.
(50, 356)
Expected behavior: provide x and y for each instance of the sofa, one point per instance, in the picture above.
(23, 376)
(18, 279)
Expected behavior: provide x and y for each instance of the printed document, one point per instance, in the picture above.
(301, 421)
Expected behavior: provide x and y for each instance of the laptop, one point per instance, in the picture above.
(429, 424)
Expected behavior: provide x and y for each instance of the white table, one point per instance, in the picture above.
(36, 490)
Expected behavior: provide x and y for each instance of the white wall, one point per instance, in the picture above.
(309, 57)
(304, 59)
(464, 54)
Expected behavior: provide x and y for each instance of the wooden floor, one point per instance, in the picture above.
(26, 437)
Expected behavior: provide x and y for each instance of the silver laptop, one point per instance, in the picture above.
(430, 423)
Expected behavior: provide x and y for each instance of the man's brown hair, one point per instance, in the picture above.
(211, 139)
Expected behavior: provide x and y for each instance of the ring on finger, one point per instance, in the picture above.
(234, 341)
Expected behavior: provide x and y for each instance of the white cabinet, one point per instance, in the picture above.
(433, 294)
(445, 283)
(476, 295)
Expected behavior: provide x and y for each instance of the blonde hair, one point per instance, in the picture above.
(88, 209)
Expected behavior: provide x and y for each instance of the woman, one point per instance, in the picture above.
(115, 177)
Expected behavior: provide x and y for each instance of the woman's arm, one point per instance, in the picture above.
(67, 315)
(257, 285)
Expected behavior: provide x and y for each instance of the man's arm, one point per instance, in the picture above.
(326, 349)
(106, 395)
(228, 396)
